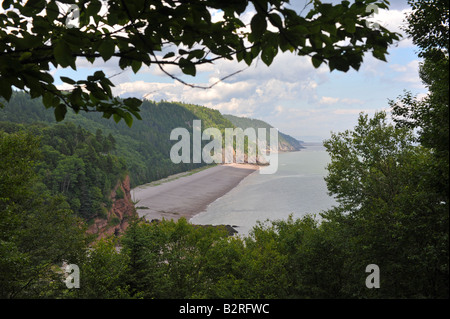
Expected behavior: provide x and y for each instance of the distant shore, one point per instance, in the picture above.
(189, 194)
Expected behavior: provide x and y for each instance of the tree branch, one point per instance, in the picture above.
(197, 86)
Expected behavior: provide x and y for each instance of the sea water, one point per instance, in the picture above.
(297, 188)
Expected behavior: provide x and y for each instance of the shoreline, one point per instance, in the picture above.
(188, 194)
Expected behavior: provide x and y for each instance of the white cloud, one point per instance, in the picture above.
(328, 100)
(352, 111)
(290, 94)
(256, 89)
(408, 73)
(395, 21)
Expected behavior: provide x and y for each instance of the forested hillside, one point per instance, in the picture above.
(74, 163)
(145, 147)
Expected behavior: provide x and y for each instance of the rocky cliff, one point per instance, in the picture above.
(118, 217)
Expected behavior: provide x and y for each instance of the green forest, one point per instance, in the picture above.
(389, 175)
(74, 163)
(145, 147)
(391, 185)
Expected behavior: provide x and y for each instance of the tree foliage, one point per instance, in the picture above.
(390, 214)
(390, 181)
(102, 273)
(73, 163)
(169, 259)
(428, 25)
(37, 230)
(36, 35)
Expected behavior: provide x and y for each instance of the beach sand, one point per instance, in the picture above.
(189, 195)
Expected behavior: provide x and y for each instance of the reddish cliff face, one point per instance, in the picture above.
(119, 215)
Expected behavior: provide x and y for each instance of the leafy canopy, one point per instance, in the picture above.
(428, 26)
(38, 34)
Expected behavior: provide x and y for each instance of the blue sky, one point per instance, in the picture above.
(291, 94)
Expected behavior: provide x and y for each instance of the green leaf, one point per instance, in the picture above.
(136, 65)
(13, 15)
(248, 57)
(379, 54)
(316, 41)
(44, 77)
(124, 63)
(132, 102)
(258, 25)
(93, 8)
(169, 55)
(349, 25)
(136, 114)
(198, 54)
(284, 44)
(97, 93)
(330, 28)
(52, 11)
(106, 49)
(36, 5)
(116, 117)
(6, 4)
(187, 67)
(275, 20)
(106, 87)
(316, 61)
(301, 29)
(98, 75)
(63, 54)
(128, 119)
(60, 112)
(47, 99)
(268, 54)
(338, 63)
(314, 29)
(76, 97)
(5, 89)
(67, 80)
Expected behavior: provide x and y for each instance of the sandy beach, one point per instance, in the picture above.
(189, 195)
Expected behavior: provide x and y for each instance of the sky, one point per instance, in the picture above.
(291, 95)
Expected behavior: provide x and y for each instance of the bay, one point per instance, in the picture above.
(297, 188)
